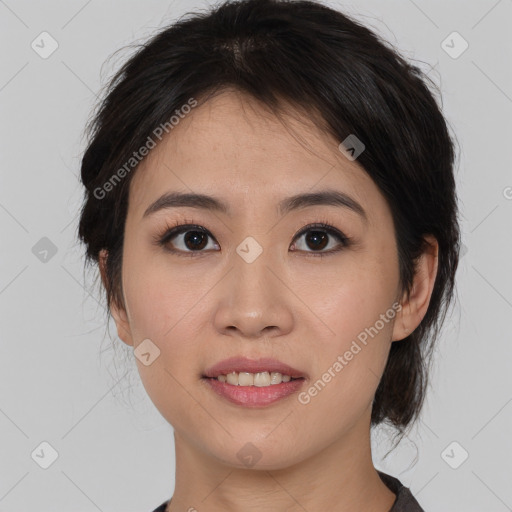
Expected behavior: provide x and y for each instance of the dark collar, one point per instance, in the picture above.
(405, 501)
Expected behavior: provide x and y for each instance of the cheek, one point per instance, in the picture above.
(351, 296)
(163, 307)
(350, 367)
(357, 307)
(157, 296)
(163, 314)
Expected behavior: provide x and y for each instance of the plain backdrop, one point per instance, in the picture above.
(71, 393)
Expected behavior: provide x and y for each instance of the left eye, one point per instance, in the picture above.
(317, 238)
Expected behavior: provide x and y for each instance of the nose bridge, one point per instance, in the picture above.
(253, 298)
(253, 261)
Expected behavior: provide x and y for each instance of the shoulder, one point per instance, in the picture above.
(405, 501)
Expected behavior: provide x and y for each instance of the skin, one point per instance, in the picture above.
(287, 304)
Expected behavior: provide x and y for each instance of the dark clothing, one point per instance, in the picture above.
(405, 501)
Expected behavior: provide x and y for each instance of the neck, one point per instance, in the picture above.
(341, 478)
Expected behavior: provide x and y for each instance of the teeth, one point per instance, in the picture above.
(245, 379)
(259, 379)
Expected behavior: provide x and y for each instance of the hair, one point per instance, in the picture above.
(350, 81)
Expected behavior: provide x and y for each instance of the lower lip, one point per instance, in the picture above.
(254, 396)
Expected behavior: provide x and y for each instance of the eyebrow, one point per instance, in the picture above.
(327, 197)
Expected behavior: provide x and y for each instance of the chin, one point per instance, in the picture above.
(259, 455)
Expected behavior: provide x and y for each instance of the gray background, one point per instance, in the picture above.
(65, 383)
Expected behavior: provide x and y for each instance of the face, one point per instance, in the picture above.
(258, 281)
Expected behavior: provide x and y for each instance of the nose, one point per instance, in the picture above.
(253, 300)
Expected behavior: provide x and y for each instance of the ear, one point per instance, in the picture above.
(118, 313)
(416, 306)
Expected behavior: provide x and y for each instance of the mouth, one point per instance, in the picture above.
(253, 383)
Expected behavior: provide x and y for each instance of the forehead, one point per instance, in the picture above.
(233, 148)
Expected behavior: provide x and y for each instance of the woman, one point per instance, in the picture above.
(271, 202)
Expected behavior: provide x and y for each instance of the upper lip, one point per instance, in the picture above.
(243, 364)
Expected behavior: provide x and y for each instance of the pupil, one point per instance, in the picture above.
(195, 238)
(315, 235)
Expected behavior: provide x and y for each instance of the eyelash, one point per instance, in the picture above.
(162, 238)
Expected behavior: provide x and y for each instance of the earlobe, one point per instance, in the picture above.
(118, 312)
(415, 306)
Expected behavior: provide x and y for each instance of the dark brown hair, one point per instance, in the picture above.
(321, 61)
